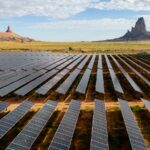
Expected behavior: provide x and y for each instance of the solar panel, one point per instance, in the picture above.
(91, 64)
(32, 130)
(7, 75)
(32, 85)
(135, 71)
(135, 136)
(9, 121)
(63, 136)
(99, 139)
(146, 103)
(144, 60)
(140, 61)
(15, 78)
(81, 88)
(136, 64)
(71, 66)
(116, 83)
(49, 63)
(100, 65)
(52, 82)
(59, 64)
(3, 106)
(10, 88)
(99, 77)
(83, 62)
(130, 80)
(64, 87)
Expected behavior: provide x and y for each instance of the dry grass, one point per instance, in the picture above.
(101, 47)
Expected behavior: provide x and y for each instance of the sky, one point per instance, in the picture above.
(72, 20)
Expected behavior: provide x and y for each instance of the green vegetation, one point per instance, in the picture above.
(137, 108)
(99, 47)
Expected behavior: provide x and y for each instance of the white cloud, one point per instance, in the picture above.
(85, 24)
(65, 8)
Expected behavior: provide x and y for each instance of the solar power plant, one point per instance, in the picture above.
(8, 121)
(146, 103)
(28, 135)
(63, 136)
(99, 138)
(74, 101)
(135, 136)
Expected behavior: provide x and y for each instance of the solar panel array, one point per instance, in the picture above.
(99, 138)
(64, 87)
(63, 136)
(40, 72)
(3, 106)
(116, 83)
(130, 80)
(52, 82)
(10, 120)
(31, 131)
(135, 71)
(141, 62)
(146, 103)
(135, 136)
(136, 64)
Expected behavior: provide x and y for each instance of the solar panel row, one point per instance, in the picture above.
(116, 83)
(31, 131)
(63, 136)
(130, 80)
(82, 86)
(99, 77)
(9, 121)
(135, 136)
(99, 139)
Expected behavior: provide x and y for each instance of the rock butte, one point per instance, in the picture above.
(9, 35)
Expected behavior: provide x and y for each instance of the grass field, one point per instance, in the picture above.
(76, 47)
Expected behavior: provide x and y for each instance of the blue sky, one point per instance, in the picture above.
(72, 20)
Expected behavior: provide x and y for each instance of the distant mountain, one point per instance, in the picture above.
(9, 35)
(137, 33)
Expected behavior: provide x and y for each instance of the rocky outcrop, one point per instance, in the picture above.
(9, 35)
(137, 33)
(8, 29)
